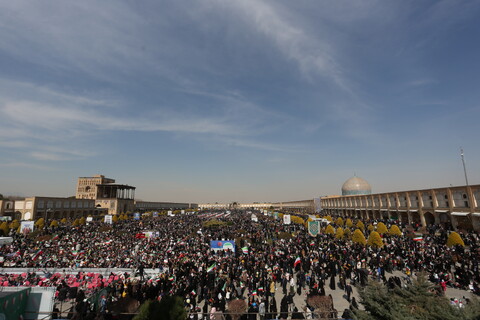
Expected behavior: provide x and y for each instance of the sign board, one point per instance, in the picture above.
(136, 216)
(182, 212)
(216, 245)
(155, 214)
(108, 219)
(254, 218)
(286, 219)
(170, 213)
(276, 215)
(27, 226)
(313, 228)
(89, 219)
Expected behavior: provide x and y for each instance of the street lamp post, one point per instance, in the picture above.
(464, 167)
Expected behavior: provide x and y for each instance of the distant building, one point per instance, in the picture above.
(115, 198)
(456, 206)
(32, 208)
(143, 206)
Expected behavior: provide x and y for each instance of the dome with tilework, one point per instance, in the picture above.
(356, 186)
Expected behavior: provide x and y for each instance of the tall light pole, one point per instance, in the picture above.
(464, 168)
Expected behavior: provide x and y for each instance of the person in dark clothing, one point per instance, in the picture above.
(348, 291)
(296, 314)
(332, 282)
(347, 314)
(284, 308)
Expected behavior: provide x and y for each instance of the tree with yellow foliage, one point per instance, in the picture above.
(54, 224)
(349, 223)
(370, 227)
(14, 224)
(40, 223)
(374, 240)
(63, 221)
(395, 231)
(329, 229)
(382, 228)
(114, 218)
(329, 218)
(76, 223)
(360, 225)
(358, 237)
(347, 234)
(339, 222)
(4, 228)
(339, 234)
(455, 239)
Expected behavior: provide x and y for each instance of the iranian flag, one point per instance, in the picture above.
(297, 261)
(212, 267)
(254, 293)
(56, 237)
(245, 250)
(418, 239)
(37, 254)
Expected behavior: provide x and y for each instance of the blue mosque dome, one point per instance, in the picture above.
(356, 186)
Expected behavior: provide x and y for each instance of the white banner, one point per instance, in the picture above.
(27, 226)
(286, 219)
(108, 219)
(254, 218)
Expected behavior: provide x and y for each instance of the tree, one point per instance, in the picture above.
(395, 230)
(40, 223)
(14, 224)
(339, 221)
(169, 308)
(382, 228)
(236, 308)
(114, 218)
(347, 234)
(360, 225)
(4, 228)
(329, 229)
(374, 240)
(329, 218)
(63, 221)
(83, 220)
(76, 223)
(339, 234)
(414, 302)
(370, 227)
(358, 237)
(349, 223)
(455, 239)
(54, 224)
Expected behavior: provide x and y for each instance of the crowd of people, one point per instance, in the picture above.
(278, 258)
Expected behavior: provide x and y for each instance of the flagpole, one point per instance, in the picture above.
(464, 167)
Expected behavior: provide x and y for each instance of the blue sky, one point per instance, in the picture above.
(204, 101)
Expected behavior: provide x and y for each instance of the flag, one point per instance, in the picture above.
(212, 267)
(245, 250)
(56, 237)
(254, 293)
(193, 293)
(37, 254)
(418, 239)
(260, 289)
(297, 261)
(171, 278)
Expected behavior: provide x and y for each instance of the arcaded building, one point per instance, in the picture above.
(456, 206)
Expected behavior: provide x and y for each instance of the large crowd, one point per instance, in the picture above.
(185, 265)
